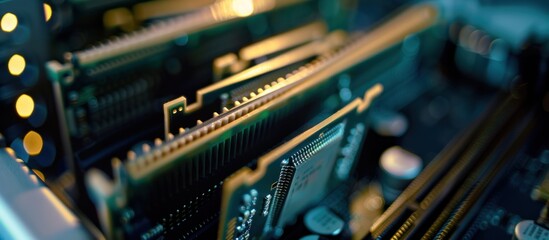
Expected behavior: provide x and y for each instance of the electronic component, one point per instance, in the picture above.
(100, 90)
(528, 229)
(305, 174)
(231, 134)
(398, 168)
(468, 176)
(389, 123)
(229, 64)
(304, 178)
(274, 119)
(209, 94)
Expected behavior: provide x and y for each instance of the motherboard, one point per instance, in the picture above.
(274, 119)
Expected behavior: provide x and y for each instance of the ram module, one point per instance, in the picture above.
(238, 86)
(100, 90)
(295, 175)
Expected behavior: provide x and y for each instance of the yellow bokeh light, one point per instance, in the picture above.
(47, 11)
(24, 106)
(16, 65)
(243, 8)
(33, 143)
(8, 22)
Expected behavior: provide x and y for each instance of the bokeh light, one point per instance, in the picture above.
(9, 22)
(16, 65)
(33, 143)
(243, 8)
(47, 11)
(24, 106)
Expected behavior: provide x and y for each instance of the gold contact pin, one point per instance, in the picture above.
(157, 142)
(198, 122)
(146, 147)
(236, 103)
(245, 99)
(225, 109)
(252, 94)
(170, 136)
(181, 130)
(131, 155)
(215, 114)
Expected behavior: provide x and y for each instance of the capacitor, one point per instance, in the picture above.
(529, 230)
(398, 168)
(388, 123)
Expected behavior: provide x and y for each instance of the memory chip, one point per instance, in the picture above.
(304, 176)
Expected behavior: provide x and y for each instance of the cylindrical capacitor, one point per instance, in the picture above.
(388, 123)
(529, 230)
(398, 168)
